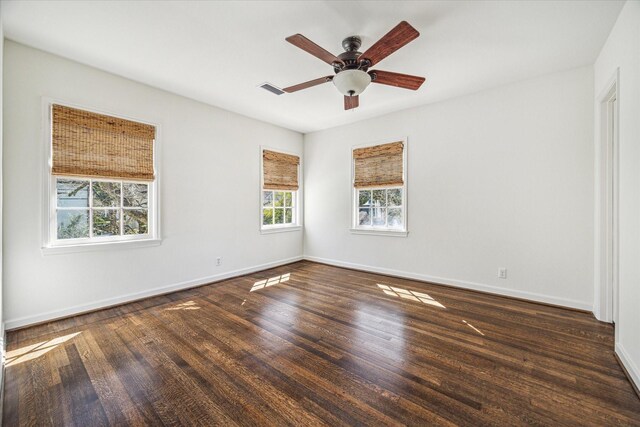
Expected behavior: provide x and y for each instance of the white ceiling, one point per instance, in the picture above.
(219, 52)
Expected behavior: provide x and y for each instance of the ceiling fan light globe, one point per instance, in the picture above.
(351, 82)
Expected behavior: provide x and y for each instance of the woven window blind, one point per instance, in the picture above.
(379, 165)
(280, 171)
(94, 145)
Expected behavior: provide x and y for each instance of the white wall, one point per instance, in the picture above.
(501, 178)
(622, 50)
(209, 179)
(2, 341)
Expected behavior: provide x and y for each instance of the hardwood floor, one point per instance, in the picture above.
(310, 344)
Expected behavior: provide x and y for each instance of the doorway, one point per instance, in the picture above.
(608, 201)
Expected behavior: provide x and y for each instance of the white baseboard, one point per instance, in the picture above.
(632, 370)
(547, 299)
(109, 302)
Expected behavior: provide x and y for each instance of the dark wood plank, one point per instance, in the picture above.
(311, 344)
(86, 408)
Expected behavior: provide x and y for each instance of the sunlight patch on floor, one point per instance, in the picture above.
(472, 327)
(189, 305)
(410, 295)
(30, 352)
(270, 282)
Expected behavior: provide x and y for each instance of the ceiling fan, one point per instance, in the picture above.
(352, 75)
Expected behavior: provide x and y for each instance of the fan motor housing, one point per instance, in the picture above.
(352, 43)
(350, 57)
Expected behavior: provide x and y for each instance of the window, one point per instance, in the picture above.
(379, 189)
(279, 193)
(101, 180)
(381, 208)
(278, 208)
(87, 209)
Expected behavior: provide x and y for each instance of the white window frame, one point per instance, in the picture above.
(296, 198)
(356, 228)
(53, 245)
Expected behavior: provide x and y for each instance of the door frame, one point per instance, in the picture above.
(606, 201)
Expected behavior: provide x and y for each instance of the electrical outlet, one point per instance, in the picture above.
(219, 260)
(502, 273)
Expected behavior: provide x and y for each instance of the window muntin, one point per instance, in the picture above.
(97, 210)
(380, 208)
(278, 208)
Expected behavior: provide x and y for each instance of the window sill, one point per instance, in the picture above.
(379, 232)
(280, 229)
(92, 247)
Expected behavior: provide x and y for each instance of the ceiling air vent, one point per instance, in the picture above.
(271, 88)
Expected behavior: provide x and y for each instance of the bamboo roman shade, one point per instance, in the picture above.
(94, 145)
(280, 171)
(379, 165)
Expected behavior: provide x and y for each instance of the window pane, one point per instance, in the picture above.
(72, 193)
(379, 198)
(73, 224)
(379, 216)
(135, 221)
(106, 194)
(288, 199)
(279, 216)
(267, 216)
(364, 216)
(267, 198)
(106, 222)
(279, 199)
(135, 195)
(364, 198)
(288, 216)
(395, 218)
(394, 197)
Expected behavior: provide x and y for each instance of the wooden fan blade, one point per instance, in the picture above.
(396, 79)
(351, 102)
(310, 83)
(307, 45)
(399, 36)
